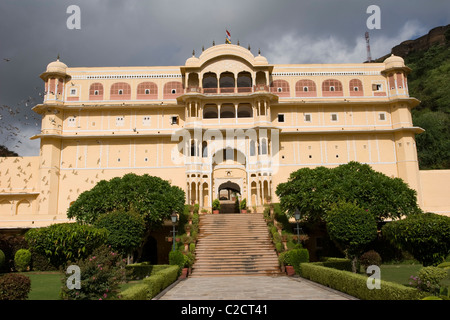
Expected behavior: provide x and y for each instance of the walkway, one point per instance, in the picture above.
(250, 288)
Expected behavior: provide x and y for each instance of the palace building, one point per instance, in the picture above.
(225, 123)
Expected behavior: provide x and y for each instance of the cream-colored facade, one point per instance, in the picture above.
(226, 120)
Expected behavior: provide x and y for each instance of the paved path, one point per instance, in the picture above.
(250, 288)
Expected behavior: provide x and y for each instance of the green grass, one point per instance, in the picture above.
(44, 285)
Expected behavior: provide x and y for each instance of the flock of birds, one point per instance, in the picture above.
(15, 118)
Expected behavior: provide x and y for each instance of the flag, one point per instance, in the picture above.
(227, 40)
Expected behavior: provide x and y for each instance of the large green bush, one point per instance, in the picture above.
(22, 260)
(177, 258)
(14, 286)
(65, 241)
(426, 236)
(356, 284)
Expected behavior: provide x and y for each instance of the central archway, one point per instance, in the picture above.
(228, 194)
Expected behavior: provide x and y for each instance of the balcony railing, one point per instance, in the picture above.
(257, 88)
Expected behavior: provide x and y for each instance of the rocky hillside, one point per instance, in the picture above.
(429, 81)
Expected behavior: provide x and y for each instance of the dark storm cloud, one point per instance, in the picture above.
(164, 32)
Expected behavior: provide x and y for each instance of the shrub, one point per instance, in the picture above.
(176, 258)
(2, 260)
(444, 265)
(370, 258)
(296, 257)
(22, 260)
(14, 286)
(356, 284)
(65, 241)
(336, 263)
(243, 204)
(429, 279)
(154, 284)
(216, 204)
(136, 292)
(101, 275)
(425, 235)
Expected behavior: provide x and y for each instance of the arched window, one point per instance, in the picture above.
(252, 148)
(96, 91)
(332, 87)
(209, 82)
(305, 88)
(263, 146)
(147, 90)
(210, 112)
(120, 91)
(280, 87)
(244, 82)
(356, 87)
(173, 89)
(226, 82)
(227, 111)
(245, 110)
(204, 149)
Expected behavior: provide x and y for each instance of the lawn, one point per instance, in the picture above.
(44, 285)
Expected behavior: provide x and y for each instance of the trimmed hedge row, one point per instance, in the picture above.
(138, 271)
(336, 263)
(153, 284)
(356, 284)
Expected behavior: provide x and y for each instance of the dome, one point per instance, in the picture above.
(260, 60)
(56, 66)
(192, 62)
(394, 62)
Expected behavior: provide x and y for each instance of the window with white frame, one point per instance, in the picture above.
(120, 121)
(146, 121)
(334, 117)
(377, 87)
(73, 92)
(280, 117)
(307, 117)
(382, 116)
(71, 121)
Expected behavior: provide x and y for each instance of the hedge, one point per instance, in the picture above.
(153, 284)
(138, 271)
(136, 292)
(356, 284)
(336, 263)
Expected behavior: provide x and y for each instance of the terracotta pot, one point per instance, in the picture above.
(290, 270)
(216, 211)
(243, 210)
(184, 273)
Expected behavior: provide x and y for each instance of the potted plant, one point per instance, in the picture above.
(243, 206)
(216, 206)
(290, 271)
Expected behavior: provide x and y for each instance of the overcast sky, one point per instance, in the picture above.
(164, 32)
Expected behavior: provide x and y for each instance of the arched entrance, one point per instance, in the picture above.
(229, 194)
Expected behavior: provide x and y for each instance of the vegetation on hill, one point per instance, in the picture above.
(428, 82)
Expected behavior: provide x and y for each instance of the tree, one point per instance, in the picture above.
(126, 230)
(5, 152)
(426, 236)
(351, 228)
(314, 191)
(151, 197)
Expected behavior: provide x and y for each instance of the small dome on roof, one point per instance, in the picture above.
(394, 62)
(57, 66)
(259, 59)
(192, 61)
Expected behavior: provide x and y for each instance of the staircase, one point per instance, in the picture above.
(234, 244)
